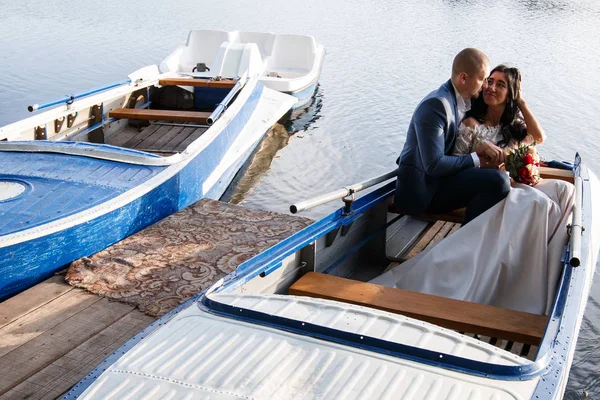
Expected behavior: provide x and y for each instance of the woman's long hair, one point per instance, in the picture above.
(512, 125)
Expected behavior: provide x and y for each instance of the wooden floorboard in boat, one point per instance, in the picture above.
(143, 134)
(122, 136)
(151, 138)
(54, 335)
(187, 141)
(175, 131)
(155, 138)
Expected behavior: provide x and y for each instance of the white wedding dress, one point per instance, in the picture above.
(509, 256)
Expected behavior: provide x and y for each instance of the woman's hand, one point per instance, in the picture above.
(519, 100)
(533, 126)
(492, 154)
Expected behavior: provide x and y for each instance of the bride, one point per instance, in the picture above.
(509, 256)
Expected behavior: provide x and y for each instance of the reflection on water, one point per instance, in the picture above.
(260, 161)
(381, 58)
(276, 139)
(302, 118)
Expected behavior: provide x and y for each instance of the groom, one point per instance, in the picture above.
(429, 178)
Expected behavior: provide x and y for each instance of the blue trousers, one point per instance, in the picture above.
(478, 189)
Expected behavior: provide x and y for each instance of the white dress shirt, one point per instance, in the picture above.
(463, 107)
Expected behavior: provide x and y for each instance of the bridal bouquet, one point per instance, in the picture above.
(523, 164)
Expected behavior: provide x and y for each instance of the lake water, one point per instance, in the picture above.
(381, 58)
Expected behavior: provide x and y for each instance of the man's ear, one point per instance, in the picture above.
(462, 77)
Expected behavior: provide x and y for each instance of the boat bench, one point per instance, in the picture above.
(461, 316)
(199, 117)
(458, 215)
(222, 84)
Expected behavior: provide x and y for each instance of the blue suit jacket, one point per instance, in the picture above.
(425, 157)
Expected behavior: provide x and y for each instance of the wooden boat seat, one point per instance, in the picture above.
(458, 315)
(458, 215)
(199, 117)
(222, 84)
(555, 173)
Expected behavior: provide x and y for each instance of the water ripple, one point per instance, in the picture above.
(381, 59)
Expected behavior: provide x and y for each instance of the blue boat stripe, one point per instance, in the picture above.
(411, 353)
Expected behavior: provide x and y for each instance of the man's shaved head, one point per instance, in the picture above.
(470, 61)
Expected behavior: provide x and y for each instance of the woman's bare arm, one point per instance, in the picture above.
(533, 126)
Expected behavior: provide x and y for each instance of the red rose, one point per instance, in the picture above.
(523, 174)
(528, 159)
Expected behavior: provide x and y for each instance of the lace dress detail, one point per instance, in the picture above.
(469, 138)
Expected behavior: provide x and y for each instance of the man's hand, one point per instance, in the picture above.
(490, 155)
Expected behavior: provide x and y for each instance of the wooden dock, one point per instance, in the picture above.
(53, 335)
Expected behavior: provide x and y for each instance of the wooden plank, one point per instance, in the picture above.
(172, 144)
(35, 355)
(144, 133)
(151, 139)
(446, 228)
(33, 298)
(424, 241)
(43, 319)
(223, 84)
(453, 314)
(175, 131)
(555, 173)
(187, 141)
(456, 227)
(161, 115)
(58, 377)
(128, 133)
(457, 216)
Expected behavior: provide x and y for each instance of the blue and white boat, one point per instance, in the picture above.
(104, 164)
(300, 321)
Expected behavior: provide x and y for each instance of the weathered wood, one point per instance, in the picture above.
(175, 141)
(425, 239)
(148, 138)
(555, 173)
(457, 216)
(161, 115)
(42, 319)
(31, 299)
(454, 229)
(62, 374)
(445, 231)
(449, 313)
(161, 143)
(126, 134)
(223, 84)
(188, 140)
(36, 354)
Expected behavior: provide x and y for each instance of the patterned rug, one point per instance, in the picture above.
(159, 267)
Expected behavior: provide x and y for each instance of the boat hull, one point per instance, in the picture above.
(241, 302)
(29, 256)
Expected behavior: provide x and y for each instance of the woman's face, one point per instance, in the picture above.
(496, 89)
